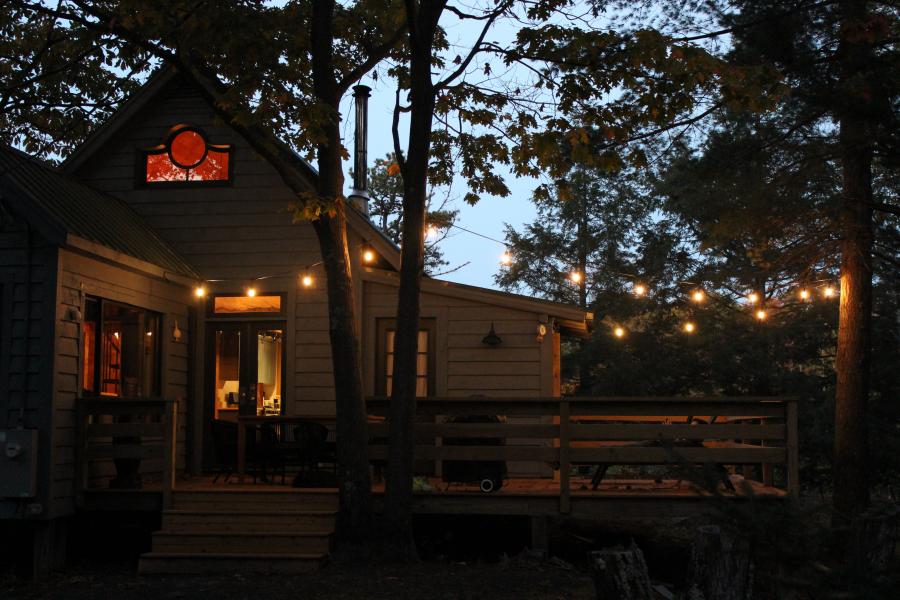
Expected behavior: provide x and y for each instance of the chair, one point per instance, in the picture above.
(265, 449)
(311, 450)
(224, 434)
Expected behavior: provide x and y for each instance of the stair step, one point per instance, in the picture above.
(275, 500)
(195, 542)
(288, 521)
(176, 563)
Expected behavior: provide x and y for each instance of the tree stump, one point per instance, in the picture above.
(621, 574)
(721, 568)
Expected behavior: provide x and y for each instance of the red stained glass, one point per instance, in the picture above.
(188, 158)
(187, 149)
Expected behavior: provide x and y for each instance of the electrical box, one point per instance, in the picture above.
(18, 463)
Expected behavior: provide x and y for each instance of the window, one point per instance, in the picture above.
(229, 305)
(424, 359)
(187, 156)
(120, 350)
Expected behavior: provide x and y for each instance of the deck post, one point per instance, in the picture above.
(564, 462)
(170, 441)
(793, 449)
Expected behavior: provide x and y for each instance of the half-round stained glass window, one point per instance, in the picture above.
(187, 156)
(187, 149)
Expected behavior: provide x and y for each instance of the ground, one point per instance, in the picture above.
(520, 578)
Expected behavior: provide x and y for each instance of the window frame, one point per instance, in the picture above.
(382, 326)
(98, 350)
(143, 153)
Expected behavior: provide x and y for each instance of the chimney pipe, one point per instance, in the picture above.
(360, 194)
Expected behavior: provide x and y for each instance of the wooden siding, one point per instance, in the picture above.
(237, 231)
(81, 275)
(26, 334)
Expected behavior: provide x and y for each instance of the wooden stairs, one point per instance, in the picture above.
(243, 530)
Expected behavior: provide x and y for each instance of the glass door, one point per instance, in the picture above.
(246, 370)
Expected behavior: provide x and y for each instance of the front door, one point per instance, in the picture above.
(245, 370)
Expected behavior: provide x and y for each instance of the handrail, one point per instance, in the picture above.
(608, 430)
(100, 420)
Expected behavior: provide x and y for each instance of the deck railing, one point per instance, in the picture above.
(608, 431)
(110, 428)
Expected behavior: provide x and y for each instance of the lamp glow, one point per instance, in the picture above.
(307, 280)
(576, 277)
(752, 297)
(829, 292)
(368, 256)
(506, 258)
(431, 233)
(251, 292)
(804, 294)
(639, 290)
(689, 327)
(619, 332)
(698, 296)
(200, 291)
(761, 315)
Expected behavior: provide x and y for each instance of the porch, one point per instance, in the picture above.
(663, 457)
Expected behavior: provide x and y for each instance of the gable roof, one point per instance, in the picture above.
(62, 207)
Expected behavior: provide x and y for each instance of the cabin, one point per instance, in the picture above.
(164, 322)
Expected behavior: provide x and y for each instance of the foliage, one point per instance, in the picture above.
(386, 210)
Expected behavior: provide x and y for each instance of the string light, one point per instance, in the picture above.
(698, 296)
(506, 258)
(828, 292)
(251, 292)
(689, 327)
(804, 294)
(200, 291)
(368, 255)
(576, 277)
(752, 297)
(619, 332)
(761, 315)
(307, 280)
(639, 290)
(431, 233)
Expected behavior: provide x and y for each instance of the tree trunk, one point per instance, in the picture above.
(621, 574)
(851, 468)
(354, 481)
(422, 19)
(721, 568)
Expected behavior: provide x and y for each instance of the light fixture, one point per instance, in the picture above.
(576, 277)
(639, 290)
(619, 332)
(761, 315)
(828, 292)
(251, 292)
(431, 233)
(506, 258)
(200, 291)
(752, 297)
(698, 296)
(176, 331)
(149, 334)
(368, 255)
(306, 280)
(804, 294)
(689, 327)
(491, 339)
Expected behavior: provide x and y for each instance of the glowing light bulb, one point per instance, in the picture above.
(639, 290)
(752, 297)
(431, 233)
(307, 280)
(251, 292)
(368, 256)
(506, 258)
(761, 315)
(829, 292)
(804, 294)
(576, 277)
(689, 327)
(619, 332)
(698, 296)
(200, 291)
(149, 334)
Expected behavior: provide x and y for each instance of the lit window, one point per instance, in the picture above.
(187, 157)
(424, 361)
(246, 304)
